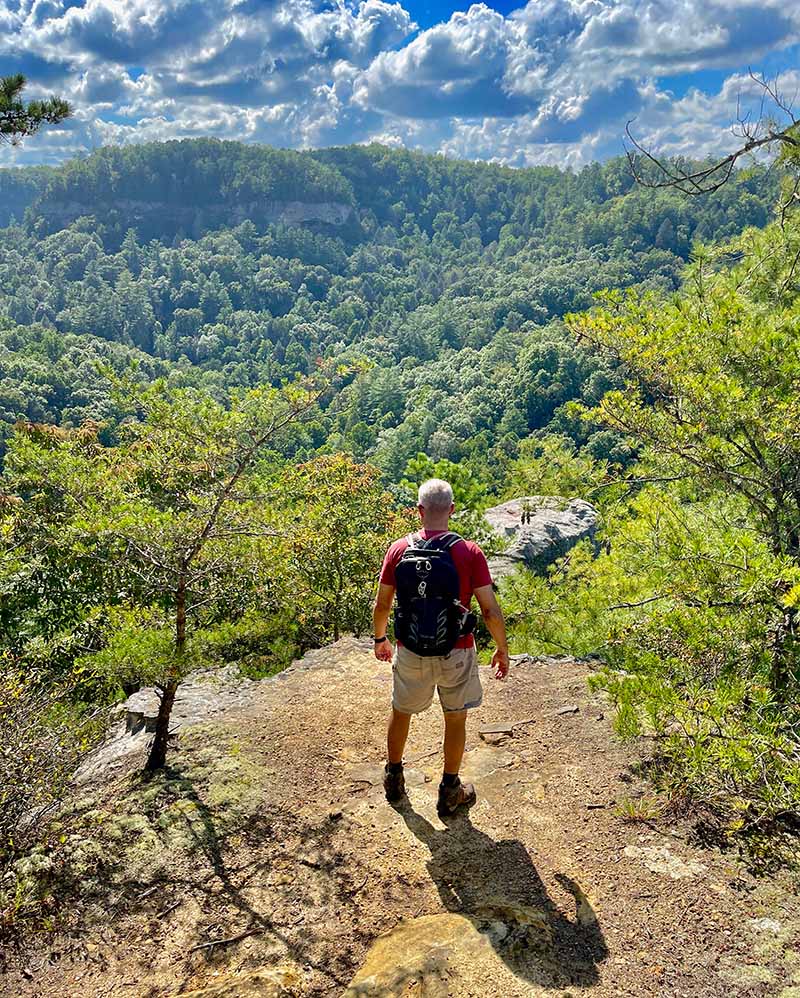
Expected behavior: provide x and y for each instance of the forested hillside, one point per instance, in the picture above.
(449, 278)
(225, 369)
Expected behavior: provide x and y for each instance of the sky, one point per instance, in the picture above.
(546, 82)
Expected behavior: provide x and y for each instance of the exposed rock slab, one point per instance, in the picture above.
(539, 531)
(201, 697)
(452, 955)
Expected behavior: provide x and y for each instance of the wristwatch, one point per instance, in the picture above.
(379, 641)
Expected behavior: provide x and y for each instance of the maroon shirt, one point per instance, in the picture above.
(470, 562)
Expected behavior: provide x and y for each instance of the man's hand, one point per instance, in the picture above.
(380, 621)
(493, 618)
(500, 664)
(384, 651)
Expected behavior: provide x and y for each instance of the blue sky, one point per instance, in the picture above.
(547, 81)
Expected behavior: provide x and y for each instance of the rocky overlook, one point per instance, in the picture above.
(265, 862)
(539, 530)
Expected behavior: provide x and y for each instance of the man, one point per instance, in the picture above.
(455, 674)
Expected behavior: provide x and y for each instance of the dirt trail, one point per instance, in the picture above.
(291, 872)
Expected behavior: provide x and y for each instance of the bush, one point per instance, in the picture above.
(685, 605)
(42, 737)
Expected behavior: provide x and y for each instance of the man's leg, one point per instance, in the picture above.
(397, 736)
(452, 792)
(394, 782)
(455, 738)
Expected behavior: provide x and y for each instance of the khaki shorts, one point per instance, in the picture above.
(455, 676)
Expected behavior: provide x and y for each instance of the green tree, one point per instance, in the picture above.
(338, 520)
(19, 120)
(712, 376)
(711, 396)
(171, 516)
(469, 492)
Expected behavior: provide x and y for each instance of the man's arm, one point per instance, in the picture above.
(380, 621)
(493, 617)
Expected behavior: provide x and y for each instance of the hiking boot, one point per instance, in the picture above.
(452, 798)
(394, 784)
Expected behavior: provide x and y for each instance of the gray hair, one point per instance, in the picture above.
(436, 495)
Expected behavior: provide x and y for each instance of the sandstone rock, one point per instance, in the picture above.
(201, 697)
(138, 720)
(503, 728)
(456, 955)
(551, 527)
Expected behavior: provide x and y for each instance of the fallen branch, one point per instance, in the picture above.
(226, 942)
(166, 911)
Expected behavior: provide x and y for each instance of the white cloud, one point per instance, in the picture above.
(554, 82)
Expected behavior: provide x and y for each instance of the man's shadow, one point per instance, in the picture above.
(491, 881)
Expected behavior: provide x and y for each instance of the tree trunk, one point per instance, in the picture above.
(158, 750)
(783, 651)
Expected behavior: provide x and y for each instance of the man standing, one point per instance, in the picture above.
(454, 670)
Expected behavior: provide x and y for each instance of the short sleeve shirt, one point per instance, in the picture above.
(470, 563)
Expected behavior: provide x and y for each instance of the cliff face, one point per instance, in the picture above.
(264, 861)
(164, 216)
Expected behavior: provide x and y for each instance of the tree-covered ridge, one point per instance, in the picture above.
(197, 174)
(447, 279)
(390, 187)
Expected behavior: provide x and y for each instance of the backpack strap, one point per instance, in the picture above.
(443, 542)
(450, 539)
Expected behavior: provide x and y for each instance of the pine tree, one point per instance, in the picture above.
(19, 120)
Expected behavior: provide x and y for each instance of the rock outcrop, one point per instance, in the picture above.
(539, 530)
(334, 213)
(202, 696)
(264, 861)
(452, 954)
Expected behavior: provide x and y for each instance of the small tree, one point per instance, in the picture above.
(19, 120)
(711, 395)
(337, 519)
(172, 514)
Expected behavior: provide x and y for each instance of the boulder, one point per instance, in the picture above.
(539, 530)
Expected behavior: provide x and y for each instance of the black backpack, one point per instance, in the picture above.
(428, 615)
